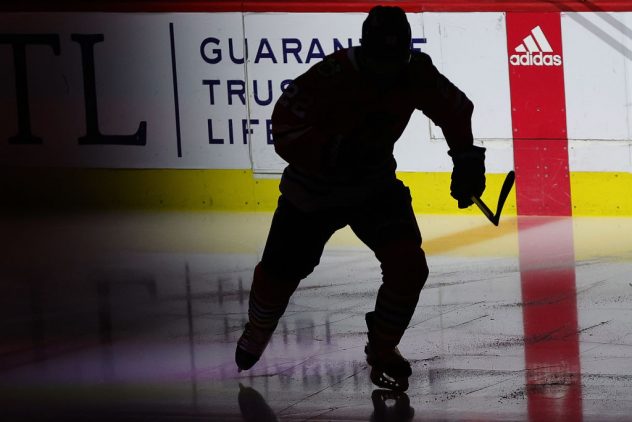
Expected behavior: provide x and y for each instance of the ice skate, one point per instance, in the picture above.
(251, 345)
(388, 368)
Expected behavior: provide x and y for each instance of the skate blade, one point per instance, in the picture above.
(381, 379)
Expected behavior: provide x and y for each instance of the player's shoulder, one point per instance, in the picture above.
(419, 59)
(421, 70)
(333, 65)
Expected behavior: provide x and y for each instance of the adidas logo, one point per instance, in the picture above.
(535, 50)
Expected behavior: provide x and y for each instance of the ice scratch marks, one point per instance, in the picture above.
(309, 396)
(561, 333)
(442, 314)
(472, 381)
(467, 322)
(583, 330)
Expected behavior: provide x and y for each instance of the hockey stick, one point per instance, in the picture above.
(504, 192)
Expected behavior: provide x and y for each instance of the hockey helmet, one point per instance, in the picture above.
(386, 35)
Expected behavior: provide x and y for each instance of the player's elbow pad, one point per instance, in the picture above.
(465, 108)
(301, 147)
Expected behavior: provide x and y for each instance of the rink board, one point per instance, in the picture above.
(194, 107)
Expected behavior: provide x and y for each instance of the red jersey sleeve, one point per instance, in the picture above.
(442, 102)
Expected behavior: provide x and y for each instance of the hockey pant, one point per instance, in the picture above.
(295, 243)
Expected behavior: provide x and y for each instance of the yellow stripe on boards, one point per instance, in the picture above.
(606, 194)
(431, 194)
(596, 193)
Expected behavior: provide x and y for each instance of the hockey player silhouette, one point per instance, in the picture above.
(336, 126)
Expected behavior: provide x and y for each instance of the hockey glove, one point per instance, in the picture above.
(468, 175)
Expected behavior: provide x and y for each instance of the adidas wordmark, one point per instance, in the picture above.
(535, 50)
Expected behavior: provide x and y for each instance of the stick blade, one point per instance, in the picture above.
(504, 193)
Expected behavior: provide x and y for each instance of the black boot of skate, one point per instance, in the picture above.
(389, 369)
(251, 345)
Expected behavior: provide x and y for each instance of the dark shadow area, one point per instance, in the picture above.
(391, 406)
(253, 406)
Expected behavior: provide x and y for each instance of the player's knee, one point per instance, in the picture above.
(417, 268)
(405, 265)
(272, 287)
(288, 269)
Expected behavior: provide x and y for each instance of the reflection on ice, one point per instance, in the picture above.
(549, 294)
(537, 328)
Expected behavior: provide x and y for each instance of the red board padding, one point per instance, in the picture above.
(538, 113)
(314, 6)
(542, 179)
(551, 334)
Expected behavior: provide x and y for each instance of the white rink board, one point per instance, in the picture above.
(598, 78)
(224, 120)
(470, 49)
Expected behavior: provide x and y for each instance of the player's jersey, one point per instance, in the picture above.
(337, 128)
